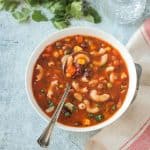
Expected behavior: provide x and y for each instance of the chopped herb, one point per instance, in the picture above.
(99, 117)
(50, 103)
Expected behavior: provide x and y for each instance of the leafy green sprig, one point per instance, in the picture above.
(63, 10)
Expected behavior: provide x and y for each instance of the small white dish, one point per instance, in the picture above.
(90, 32)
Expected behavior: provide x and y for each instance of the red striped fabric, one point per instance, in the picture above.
(147, 28)
(141, 140)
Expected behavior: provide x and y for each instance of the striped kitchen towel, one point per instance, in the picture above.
(141, 140)
(132, 130)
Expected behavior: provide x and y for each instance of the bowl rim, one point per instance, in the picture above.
(91, 32)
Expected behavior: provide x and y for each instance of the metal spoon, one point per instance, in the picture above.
(44, 139)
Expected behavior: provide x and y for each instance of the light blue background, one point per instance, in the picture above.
(20, 125)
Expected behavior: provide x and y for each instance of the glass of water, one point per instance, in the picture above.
(124, 11)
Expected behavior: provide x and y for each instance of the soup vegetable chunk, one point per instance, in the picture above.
(96, 71)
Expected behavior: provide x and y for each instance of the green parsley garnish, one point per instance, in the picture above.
(63, 11)
(99, 117)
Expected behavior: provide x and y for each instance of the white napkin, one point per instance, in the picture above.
(116, 135)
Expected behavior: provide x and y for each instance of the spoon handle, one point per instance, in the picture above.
(44, 139)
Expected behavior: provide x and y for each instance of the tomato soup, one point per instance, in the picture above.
(96, 71)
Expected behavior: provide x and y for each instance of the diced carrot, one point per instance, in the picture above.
(48, 49)
(119, 103)
(45, 55)
(86, 122)
(79, 39)
(56, 54)
(70, 70)
(92, 46)
(116, 62)
(61, 52)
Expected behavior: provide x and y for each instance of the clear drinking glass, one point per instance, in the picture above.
(124, 11)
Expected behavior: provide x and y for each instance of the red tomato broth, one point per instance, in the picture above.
(50, 61)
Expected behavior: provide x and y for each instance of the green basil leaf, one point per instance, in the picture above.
(91, 11)
(2, 4)
(76, 9)
(89, 18)
(63, 10)
(59, 22)
(48, 5)
(58, 7)
(38, 16)
(32, 2)
(26, 10)
(11, 5)
(22, 16)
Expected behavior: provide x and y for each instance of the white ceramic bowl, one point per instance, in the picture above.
(91, 32)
